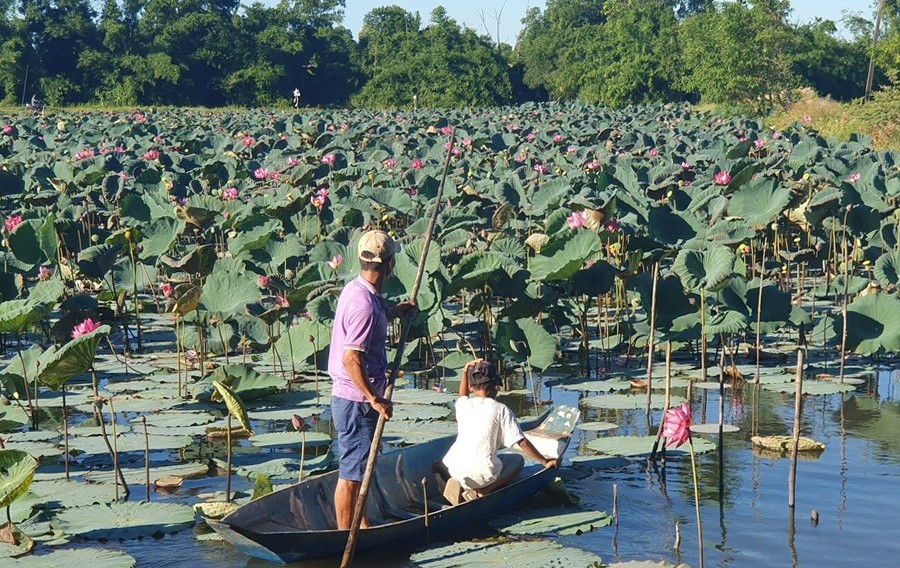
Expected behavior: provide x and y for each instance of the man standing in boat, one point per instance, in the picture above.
(357, 364)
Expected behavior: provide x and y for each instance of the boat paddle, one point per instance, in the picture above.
(395, 367)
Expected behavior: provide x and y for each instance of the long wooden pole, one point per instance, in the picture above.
(395, 367)
(795, 439)
(870, 77)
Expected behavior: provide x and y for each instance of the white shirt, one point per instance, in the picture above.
(484, 426)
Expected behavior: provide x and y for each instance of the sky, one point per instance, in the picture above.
(470, 12)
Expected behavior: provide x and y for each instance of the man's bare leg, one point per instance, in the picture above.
(346, 493)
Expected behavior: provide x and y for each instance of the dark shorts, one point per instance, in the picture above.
(355, 423)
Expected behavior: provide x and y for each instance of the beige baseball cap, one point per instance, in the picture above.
(376, 246)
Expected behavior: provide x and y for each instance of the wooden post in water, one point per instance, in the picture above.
(798, 397)
(762, 272)
(652, 337)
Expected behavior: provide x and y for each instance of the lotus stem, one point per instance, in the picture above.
(652, 337)
(425, 498)
(222, 341)
(98, 407)
(616, 504)
(703, 372)
(696, 500)
(677, 546)
(302, 454)
(178, 351)
(228, 460)
(291, 349)
(798, 399)
(662, 422)
(137, 304)
(146, 456)
(201, 355)
(65, 417)
(31, 408)
(762, 271)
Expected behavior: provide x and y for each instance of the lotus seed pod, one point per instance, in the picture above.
(128, 235)
(774, 226)
(232, 234)
(289, 274)
(95, 239)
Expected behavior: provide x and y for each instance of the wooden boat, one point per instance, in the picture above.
(298, 522)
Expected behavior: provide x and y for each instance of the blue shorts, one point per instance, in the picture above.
(355, 423)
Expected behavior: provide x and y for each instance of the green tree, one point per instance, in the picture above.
(830, 65)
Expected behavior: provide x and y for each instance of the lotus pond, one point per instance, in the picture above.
(169, 279)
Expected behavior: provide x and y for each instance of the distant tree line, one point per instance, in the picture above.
(741, 53)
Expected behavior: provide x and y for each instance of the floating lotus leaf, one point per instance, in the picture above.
(490, 554)
(714, 428)
(786, 443)
(123, 521)
(16, 472)
(646, 564)
(175, 419)
(419, 396)
(810, 387)
(597, 385)
(633, 446)
(73, 358)
(127, 442)
(38, 450)
(283, 469)
(62, 494)
(289, 439)
(412, 432)
(596, 426)
(600, 462)
(66, 558)
(551, 521)
(420, 412)
(137, 475)
(629, 401)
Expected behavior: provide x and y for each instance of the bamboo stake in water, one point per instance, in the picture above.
(762, 272)
(652, 336)
(146, 456)
(798, 397)
(666, 400)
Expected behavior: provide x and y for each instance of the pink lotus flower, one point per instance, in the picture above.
(677, 422)
(293, 162)
(854, 177)
(299, 424)
(229, 193)
(576, 220)
(274, 175)
(151, 155)
(263, 281)
(520, 158)
(319, 198)
(84, 154)
(103, 150)
(467, 142)
(722, 177)
(183, 201)
(557, 138)
(261, 173)
(446, 131)
(412, 192)
(530, 137)
(686, 166)
(12, 222)
(140, 118)
(759, 143)
(248, 141)
(282, 302)
(119, 150)
(807, 119)
(336, 262)
(776, 135)
(593, 165)
(571, 149)
(328, 159)
(653, 152)
(613, 226)
(540, 168)
(7, 129)
(390, 163)
(45, 273)
(417, 164)
(85, 327)
(167, 289)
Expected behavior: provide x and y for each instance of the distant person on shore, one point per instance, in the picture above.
(296, 99)
(484, 426)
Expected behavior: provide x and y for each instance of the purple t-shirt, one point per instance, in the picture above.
(360, 323)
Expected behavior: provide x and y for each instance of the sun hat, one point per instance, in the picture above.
(483, 373)
(376, 246)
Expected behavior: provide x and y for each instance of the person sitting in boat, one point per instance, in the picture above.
(484, 426)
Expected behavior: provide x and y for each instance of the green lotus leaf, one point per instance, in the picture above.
(62, 494)
(244, 381)
(226, 292)
(420, 412)
(725, 322)
(707, 269)
(17, 315)
(290, 439)
(477, 267)
(595, 385)
(17, 470)
(279, 469)
(96, 261)
(490, 554)
(811, 388)
(551, 521)
(635, 446)
(673, 229)
(873, 324)
(65, 558)
(127, 441)
(629, 401)
(887, 269)
(200, 260)
(75, 357)
(759, 202)
(25, 242)
(564, 255)
(235, 405)
(295, 344)
(12, 416)
(596, 426)
(123, 521)
(138, 475)
(48, 291)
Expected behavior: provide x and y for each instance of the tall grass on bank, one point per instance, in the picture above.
(878, 118)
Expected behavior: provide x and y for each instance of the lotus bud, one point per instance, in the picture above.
(774, 226)
(289, 274)
(312, 339)
(796, 239)
(298, 423)
(806, 176)
(849, 207)
(128, 234)
(95, 239)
